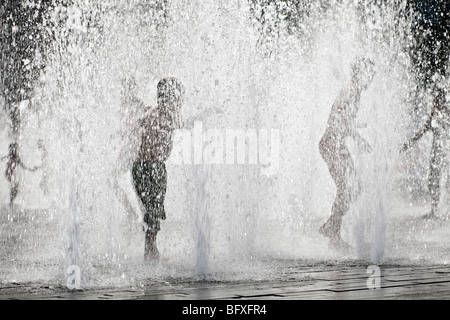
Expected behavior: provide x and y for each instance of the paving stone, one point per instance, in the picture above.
(350, 283)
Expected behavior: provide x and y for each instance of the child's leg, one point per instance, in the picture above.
(13, 192)
(156, 212)
(436, 163)
(150, 180)
(150, 248)
(340, 169)
(152, 227)
(340, 207)
(142, 184)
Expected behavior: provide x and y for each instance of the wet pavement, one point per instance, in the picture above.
(296, 282)
(423, 275)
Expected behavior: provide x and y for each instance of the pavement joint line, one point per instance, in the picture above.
(410, 285)
(257, 296)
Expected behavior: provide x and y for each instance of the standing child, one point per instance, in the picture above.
(13, 162)
(149, 170)
(430, 56)
(438, 123)
(332, 147)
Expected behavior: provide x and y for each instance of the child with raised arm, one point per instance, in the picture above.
(333, 149)
(430, 56)
(156, 129)
(438, 122)
(13, 162)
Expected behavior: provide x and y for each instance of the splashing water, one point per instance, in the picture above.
(269, 70)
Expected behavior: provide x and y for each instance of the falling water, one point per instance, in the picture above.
(269, 69)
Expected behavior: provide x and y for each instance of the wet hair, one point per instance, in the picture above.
(170, 92)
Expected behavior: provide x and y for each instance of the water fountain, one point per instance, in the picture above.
(263, 70)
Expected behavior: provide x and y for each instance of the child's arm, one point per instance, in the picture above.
(419, 133)
(359, 125)
(19, 162)
(206, 113)
(130, 102)
(134, 132)
(149, 112)
(34, 169)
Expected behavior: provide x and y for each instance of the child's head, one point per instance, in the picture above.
(363, 71)
(170, 94)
